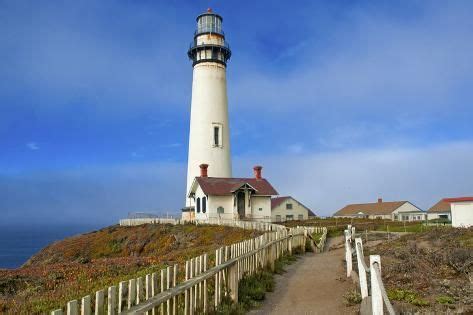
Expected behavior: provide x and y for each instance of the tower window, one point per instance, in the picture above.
(217, 135)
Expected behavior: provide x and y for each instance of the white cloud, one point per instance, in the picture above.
(32, 146)
(328, 181)
(325, 182)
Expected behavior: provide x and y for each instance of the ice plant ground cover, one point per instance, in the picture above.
(82, 264)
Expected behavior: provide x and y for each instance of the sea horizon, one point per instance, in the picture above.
(18, 242)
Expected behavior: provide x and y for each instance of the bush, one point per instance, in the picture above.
(352, 298)
(445, 299)
(407, 296)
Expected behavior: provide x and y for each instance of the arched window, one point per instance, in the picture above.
(204, 204)
(198, 205)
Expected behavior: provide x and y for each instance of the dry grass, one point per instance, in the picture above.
(430, 271)
(80, 265)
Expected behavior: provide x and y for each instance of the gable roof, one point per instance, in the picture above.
(381, 208)
(279, 200)
(441, 206)
(221, 186)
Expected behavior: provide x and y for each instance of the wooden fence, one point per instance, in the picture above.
(249, 225)
(354, 247)
(141, 221)
(319, 245)
(194, 287)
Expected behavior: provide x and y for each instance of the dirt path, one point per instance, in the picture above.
(315, 284)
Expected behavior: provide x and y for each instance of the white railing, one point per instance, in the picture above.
(188, 290)
(248, 225)
(140, 221)
(379, 297)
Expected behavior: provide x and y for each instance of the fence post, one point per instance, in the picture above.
(348, 252)
(85, 305)
(112, 300)
(99, 302)
(72, 307)
(361, 268)
(376, 297)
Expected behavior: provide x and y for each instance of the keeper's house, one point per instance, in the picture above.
(288, 209)
(230, 198)
(392, 210)
(441, 210)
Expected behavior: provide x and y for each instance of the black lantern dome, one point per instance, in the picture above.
(209, 43)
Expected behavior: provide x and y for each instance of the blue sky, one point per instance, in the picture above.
(340, 101)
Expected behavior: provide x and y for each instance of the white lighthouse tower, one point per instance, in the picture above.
(209, 138)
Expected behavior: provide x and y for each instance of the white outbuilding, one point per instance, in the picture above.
(287, 209)
(440, 211)
(462, 211)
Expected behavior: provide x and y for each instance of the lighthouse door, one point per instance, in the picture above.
(241, 204)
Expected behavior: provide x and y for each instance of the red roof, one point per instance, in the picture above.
(277, 201)
(219, 186)
(458, 199)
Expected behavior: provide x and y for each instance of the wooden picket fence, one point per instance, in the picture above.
(320, 245)
(376, 292)
(248, 225)
(194, 287)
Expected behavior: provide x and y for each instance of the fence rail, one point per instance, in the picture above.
(194, 287)
(379, 297)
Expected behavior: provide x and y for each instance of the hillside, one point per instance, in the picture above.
(82, 264)
(429, 272)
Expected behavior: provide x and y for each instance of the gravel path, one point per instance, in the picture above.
(315, 284)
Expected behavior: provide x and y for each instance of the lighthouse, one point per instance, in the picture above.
(209, 137)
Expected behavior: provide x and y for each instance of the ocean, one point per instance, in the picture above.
(18, 243)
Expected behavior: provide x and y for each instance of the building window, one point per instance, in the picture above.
(289, 217)
(204, 204)
(260, 209)
(198, 205)
(220, 209)
(289, 206)
(278, 218)
(217, 135)
(300, 217)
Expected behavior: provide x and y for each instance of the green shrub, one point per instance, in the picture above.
(352, 298)
(445, 299)
(407, 296)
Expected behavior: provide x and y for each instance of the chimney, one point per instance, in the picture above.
(380, 200)
(257, 169)
(203, 170)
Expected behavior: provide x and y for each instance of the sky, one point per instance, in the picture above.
(339, 101)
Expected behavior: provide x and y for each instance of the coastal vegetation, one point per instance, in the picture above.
(429, 272)
(82, 264)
